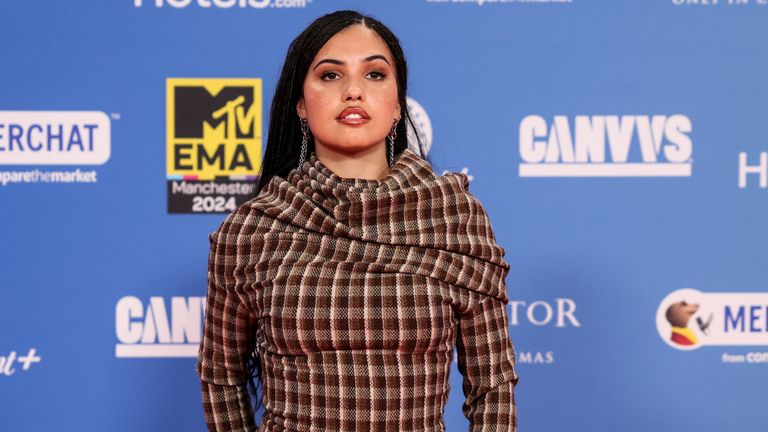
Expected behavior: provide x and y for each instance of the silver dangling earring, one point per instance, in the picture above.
(304, 140)
(391, 138)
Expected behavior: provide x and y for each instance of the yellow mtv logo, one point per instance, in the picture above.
(213, 127)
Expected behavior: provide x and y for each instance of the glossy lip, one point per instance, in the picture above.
(353, 110)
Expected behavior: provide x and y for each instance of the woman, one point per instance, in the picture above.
(345, 284)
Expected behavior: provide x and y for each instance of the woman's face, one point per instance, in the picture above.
(354, 68)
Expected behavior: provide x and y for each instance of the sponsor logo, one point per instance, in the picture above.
(214, 138)
(760, 170)
(688, 319)
(53, 138)
(224, 4)
(606, 146)
(719, 2)
(158, 328)
(423, 129)
(23, 362)
(560, 313)
(482, 2)
(423, 126)
(535, 357)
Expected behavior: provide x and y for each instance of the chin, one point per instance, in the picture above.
(350, 147)
(354, 143)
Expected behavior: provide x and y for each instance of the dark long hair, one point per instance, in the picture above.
(284, 137)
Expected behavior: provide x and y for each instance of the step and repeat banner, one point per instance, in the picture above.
(619, 147)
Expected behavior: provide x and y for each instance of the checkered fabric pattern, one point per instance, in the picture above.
(357, 292)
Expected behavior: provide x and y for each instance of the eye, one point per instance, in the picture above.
(332, 76)
(326, 74)
(377, 75)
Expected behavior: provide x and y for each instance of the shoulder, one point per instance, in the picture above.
(475, 216)
(460, 182)
(244, 220)
(459, 178)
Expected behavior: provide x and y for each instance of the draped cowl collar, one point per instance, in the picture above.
(411, 206)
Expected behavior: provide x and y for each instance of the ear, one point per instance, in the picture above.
(301, 109)
(396, 115)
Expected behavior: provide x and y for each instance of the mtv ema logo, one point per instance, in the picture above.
(155, 330)
(606, 146)
(213, 144)
(687, 319)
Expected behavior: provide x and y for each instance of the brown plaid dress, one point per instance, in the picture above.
(358, 291)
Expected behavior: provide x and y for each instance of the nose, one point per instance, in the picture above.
(353, 91)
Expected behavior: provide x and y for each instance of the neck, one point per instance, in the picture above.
(368, 164)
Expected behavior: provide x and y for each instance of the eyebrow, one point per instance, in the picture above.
(339, 62)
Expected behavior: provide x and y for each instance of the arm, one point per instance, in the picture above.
(227, 408)
(221, 358)
(487, 362)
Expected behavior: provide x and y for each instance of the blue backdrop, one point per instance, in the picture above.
(619, 148)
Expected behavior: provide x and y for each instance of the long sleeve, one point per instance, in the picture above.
(227, 408)
(486, 360)
(225, 344)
